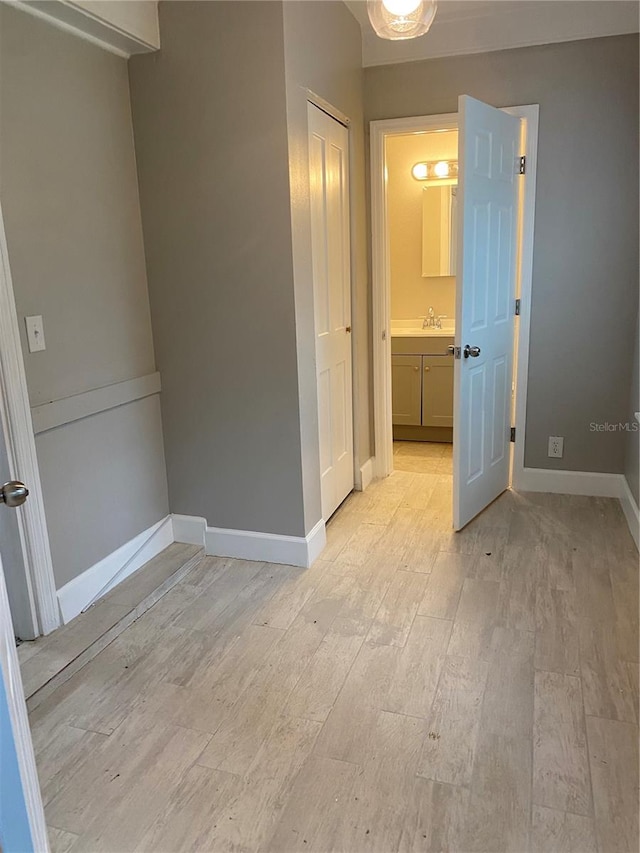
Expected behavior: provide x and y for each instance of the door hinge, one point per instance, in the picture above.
(522, 165)
(513, 434)
(517, 307)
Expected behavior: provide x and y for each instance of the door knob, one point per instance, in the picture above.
(14, 493)
(474, 352)
(427, 369)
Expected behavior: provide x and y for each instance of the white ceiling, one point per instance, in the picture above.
(476, 26)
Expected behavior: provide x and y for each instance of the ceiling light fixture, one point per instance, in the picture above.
(401, 19)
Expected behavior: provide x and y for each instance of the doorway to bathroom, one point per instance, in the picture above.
(452, 234)
(422, 205)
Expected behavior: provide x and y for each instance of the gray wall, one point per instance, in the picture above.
(211, 139)
(632, 444)
(68, 187)
(323, 53)
(585, 276)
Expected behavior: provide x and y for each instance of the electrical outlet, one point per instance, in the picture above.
(556, 446)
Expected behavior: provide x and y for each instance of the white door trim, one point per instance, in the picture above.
(10, 674)
(15, 412)
(381, 278)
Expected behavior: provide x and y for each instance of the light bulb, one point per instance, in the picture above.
(401, 19)
(441, 169)
(420, 172)
(401, 8)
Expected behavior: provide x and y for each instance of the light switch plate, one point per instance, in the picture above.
(35, 333)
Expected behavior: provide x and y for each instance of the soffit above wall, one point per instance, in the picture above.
(479, 26)
(125, 27)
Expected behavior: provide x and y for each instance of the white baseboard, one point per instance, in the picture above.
(366, 474)
(189, 529)
(250, 545)
(570, 482)
(631, 512)
(74, 596)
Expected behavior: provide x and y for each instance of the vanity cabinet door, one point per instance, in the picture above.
(437, 391)
(406, 389)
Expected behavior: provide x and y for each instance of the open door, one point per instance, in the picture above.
(22, 822)
(487, 234)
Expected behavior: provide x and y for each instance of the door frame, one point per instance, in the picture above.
(381, 278)
(17, 426)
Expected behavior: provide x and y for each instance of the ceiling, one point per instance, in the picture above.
(477, 26)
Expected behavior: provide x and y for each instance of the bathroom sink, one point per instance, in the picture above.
(414, 329)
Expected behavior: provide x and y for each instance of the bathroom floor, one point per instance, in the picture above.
(415, 690)
(423, 457)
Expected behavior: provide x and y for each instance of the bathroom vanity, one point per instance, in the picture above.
(422, 384)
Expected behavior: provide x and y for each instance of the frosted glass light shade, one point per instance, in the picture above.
(401, 19)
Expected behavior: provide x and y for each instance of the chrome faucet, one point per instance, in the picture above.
(429, 321)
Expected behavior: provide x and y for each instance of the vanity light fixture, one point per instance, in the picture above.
(435, 170)
(401, 19)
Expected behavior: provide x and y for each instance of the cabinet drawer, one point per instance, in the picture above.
(406, 389)
(437, 391)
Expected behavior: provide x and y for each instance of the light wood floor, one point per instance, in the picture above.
(416, 690)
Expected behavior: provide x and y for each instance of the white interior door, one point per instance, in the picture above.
(487, 216)
(329, 183)
(22, 824)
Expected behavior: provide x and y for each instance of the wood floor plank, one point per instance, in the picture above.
(250, 816)
(60, 841)
(475, 619)
(401, 532)
(454, 722)
(61, 648)
(605, 680)
(415, 678)
(500, 802)
(346, 732)
(359, 546)
(375, 815)
(315, 694)
(193, 810)
(561, 832)
(436, 818)
(96, 803)
(613, 756)
(560, 764)
(509, 692)
(633, 674)
(325, 782)
(445, 585)
(61, 753)
(516, 606)
(557, 635)
(252, 718)
(625, 602)
(397, 610)
(283, 607)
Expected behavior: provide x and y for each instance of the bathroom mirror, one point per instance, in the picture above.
(439, 230)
